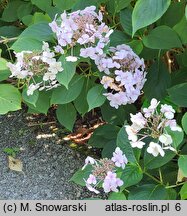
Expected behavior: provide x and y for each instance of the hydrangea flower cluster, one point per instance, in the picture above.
(81, 27)
(124, 69)
(30, 65)
(104, 172)
(125, 75)
(152, 122)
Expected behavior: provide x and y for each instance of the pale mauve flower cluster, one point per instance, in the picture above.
(153, 122)
(83, 27)
(104, 172)
(125, 75)
(30, 65)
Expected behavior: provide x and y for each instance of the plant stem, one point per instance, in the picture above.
(160, 173)
(6, 40)
(177, 185)
(152, 177)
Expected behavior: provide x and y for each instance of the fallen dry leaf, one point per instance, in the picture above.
(15, 164)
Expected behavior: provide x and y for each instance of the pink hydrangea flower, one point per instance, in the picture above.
(111, 182)
(119, 158)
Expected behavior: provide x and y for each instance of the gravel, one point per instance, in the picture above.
(48, 163)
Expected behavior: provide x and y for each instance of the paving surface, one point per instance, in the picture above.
(48, 164)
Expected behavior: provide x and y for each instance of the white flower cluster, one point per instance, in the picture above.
(125, 70)
(152, 122)
(30, 65)
(104, 172)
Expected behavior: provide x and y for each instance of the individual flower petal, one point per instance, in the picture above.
(91, 179)
(155, 149)
(32, 88)
(89, 160)
(138, 144)
(71, 58)
(92, 189)
(132, 133)
(138, 121)
(165, 139)
(168, 111)
(111, 183)
(173, 125)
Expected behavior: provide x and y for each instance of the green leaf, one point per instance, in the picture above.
(178, 94)
(114, 6)
(156, 74)
(3, 63)
(81, 5)
(43, 103)
(151, 162)
(64, 5)
(131, 175)
(181, 29)
(40, 17)
(162, 37)
(10, 98)
(61, 95)
(107, 131)
(184, 122)
(182, 162)
(183, 192)
(95, 97)
(179, 77)
(25, 44)
(42, 4)
(108, 149)
(66, 115)
(24, 9)
(97, 141)
(27, 20)
(172, 194)
(80, 102)
(148, 192)
(4, 74)
(177, 137)
(116, 116)
(39, 31)
(117, 196)
(31, 99)
(118, 37)
(147, 12)
(102, 135)
(126, 20)
(31, 38)
(124, 144)
(166, 18)
(80, 175)
(9, 13)
(9, 31)
(149, 54)
(67, 74)
(136, 46)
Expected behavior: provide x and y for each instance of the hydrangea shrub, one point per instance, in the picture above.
(123, 59)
